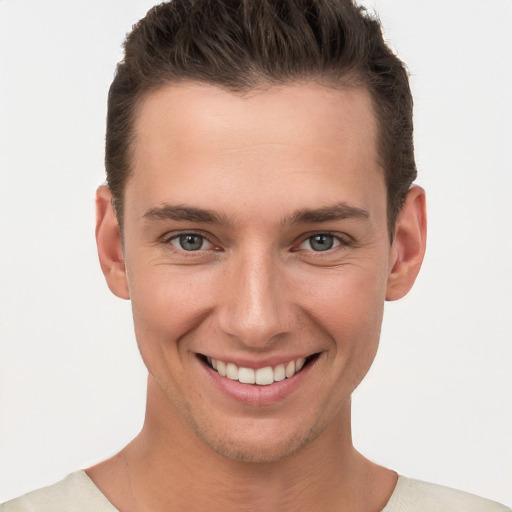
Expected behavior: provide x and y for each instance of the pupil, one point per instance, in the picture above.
(191, 242)
(321, 242)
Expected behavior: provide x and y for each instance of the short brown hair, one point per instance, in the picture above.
(243, 44)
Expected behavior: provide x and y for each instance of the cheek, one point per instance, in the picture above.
(355, 326)
(166, 306)
(349, 307)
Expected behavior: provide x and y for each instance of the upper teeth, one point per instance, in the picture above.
(262, 376)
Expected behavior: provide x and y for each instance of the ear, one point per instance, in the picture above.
(408, 247)
(110, 247)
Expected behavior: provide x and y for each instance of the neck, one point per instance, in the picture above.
(167, 463)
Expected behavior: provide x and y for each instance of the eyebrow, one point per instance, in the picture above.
(186, 213)
(339, 211)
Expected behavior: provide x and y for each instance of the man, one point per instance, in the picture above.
(259, 211)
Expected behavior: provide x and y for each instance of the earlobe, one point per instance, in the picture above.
(408, 247)
(109, 243)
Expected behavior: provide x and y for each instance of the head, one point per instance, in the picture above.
(245, 45)
(259, 163)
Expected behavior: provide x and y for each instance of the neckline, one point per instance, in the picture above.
(400, 481)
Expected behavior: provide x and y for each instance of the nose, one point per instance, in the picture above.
(255, 308)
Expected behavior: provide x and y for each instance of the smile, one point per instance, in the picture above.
(259, 376)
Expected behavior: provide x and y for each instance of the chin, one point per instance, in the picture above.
(263, 452)
(255, 444)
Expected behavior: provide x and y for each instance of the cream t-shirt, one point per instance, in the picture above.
(77, 493)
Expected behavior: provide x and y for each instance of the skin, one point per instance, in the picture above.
(266, 166)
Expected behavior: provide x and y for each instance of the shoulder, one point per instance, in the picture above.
(76, 493)
(417, 496)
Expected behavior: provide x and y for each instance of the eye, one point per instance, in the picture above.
(191, 242)
(320, 242)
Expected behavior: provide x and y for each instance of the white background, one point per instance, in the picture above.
(437, 404)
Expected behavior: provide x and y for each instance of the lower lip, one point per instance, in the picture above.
(253, 394)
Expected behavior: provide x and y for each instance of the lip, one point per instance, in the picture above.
(253, 394)
(260, 363)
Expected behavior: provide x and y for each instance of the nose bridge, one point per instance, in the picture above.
(255, 309)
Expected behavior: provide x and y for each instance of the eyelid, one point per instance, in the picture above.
(168, 237)
(343, 240)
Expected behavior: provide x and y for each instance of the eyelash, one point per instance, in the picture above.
(168, 238)
(340, 242)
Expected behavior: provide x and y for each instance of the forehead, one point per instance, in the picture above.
(302, 138)
(212, 112)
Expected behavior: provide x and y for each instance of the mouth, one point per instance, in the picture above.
(263, 376)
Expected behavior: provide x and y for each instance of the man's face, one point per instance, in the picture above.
(255, 236)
